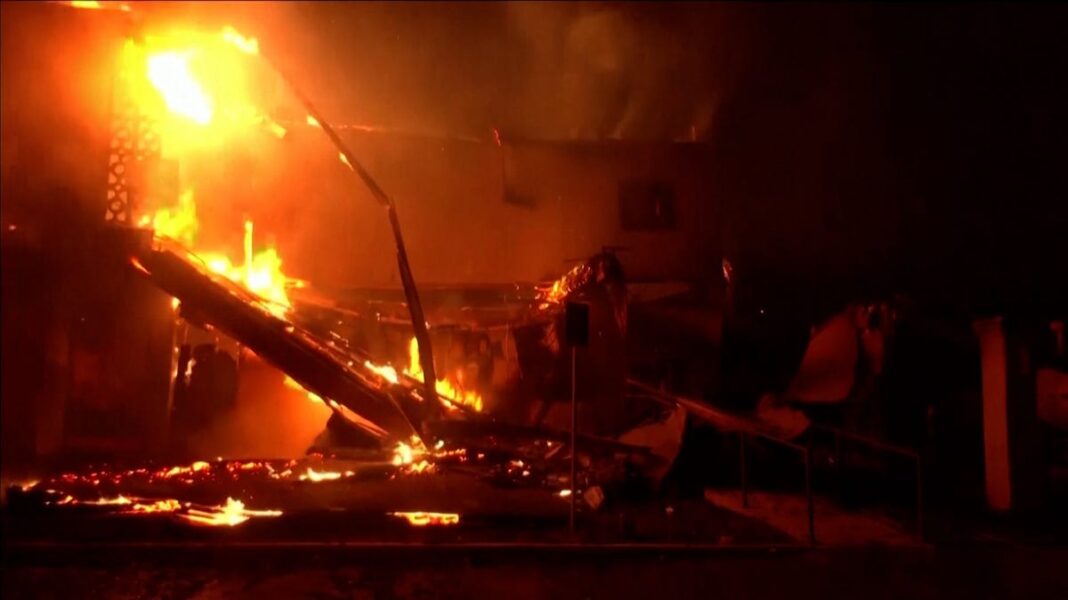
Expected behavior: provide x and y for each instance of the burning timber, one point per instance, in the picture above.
(385, 407)
(362, 395)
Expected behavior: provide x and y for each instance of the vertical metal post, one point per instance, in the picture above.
(743, 468)
(574, 444)
(808, 494)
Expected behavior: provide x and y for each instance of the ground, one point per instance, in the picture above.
(984, 571)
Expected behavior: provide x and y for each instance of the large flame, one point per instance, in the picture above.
(178, 222)
(452, 390)
(169, 73)
(260, 273)
(194, 86)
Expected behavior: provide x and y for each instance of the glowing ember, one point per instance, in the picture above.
(564, 493)
(107, 501)
(411, 458)
(313, 475)
(85, 4)
(158, 506)
(231, 514)
(344, 159)
(422, 519)
(387, 372)
(403, 454)
(451, 391)
(193, 468)
(293, 384)
(313, 121)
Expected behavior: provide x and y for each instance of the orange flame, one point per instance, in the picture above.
(242, 43)
(386, 371)
(169, 73)
(452, 392)
(178, 223)
(422, 519)
(164, 81)
(317, 476)
(260, 274)
(230, 514)
(293, 384)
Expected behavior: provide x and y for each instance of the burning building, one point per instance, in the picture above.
(229, 303)
(185, 117)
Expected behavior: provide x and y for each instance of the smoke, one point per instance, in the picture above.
(547, 71)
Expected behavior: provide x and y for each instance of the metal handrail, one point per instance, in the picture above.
(748, 427)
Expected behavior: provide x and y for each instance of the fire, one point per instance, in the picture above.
(177, 470)
(230, 514)
(411, 458)
(293, 384)
(422, 519)
(450, 391)
(201, 80)
(316, 476)
(179, 222)
(386, 371)
(403, 454)
(169, 73)
(242, 43)
(313, 121)
(261, 273)
(168, 505)
(136, 505)
(106, 501)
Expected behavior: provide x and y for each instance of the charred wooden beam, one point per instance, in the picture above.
(340, 378)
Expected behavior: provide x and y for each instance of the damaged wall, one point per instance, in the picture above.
(478, 213)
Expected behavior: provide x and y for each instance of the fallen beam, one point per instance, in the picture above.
(362, 396)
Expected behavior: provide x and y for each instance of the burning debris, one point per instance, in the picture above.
(422, 519)
(393, 416)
